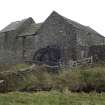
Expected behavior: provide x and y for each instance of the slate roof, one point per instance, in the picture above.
(11, 26)
(80, 26)
(91, 30)
(15, 25)
(32, 29)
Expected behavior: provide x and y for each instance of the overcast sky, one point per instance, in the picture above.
(87, 12)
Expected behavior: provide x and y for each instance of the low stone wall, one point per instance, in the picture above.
(23, 80)
(10, 57)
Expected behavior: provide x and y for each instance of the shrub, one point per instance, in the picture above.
(91, 79)
(42, 78)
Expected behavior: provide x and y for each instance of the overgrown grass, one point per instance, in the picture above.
(85, 79)
(52, 98)
(76, 80)
(63, 86)
(15, 67)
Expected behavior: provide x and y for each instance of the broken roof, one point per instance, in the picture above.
(15, 25)
(31, 30)
(31, 27)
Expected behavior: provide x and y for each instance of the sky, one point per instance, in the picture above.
(87, 12)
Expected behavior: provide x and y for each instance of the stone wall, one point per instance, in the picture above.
(11, 47)
(56, 31)
(8, 48)
(86, 39)
(29, 47)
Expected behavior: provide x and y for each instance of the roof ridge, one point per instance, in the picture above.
(77, 25)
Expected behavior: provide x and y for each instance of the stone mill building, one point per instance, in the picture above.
(56, 40)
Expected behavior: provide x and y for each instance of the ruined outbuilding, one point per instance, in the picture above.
(57, 40)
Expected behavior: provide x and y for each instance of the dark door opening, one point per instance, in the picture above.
(48, 55)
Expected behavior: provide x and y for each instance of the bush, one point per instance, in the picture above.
(76, 80)
(39, 78)
(15, 67)
(91, 79)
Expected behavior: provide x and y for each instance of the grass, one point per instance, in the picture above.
(52, 98)
(88, 79)
(15, 67)
(85, 79)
